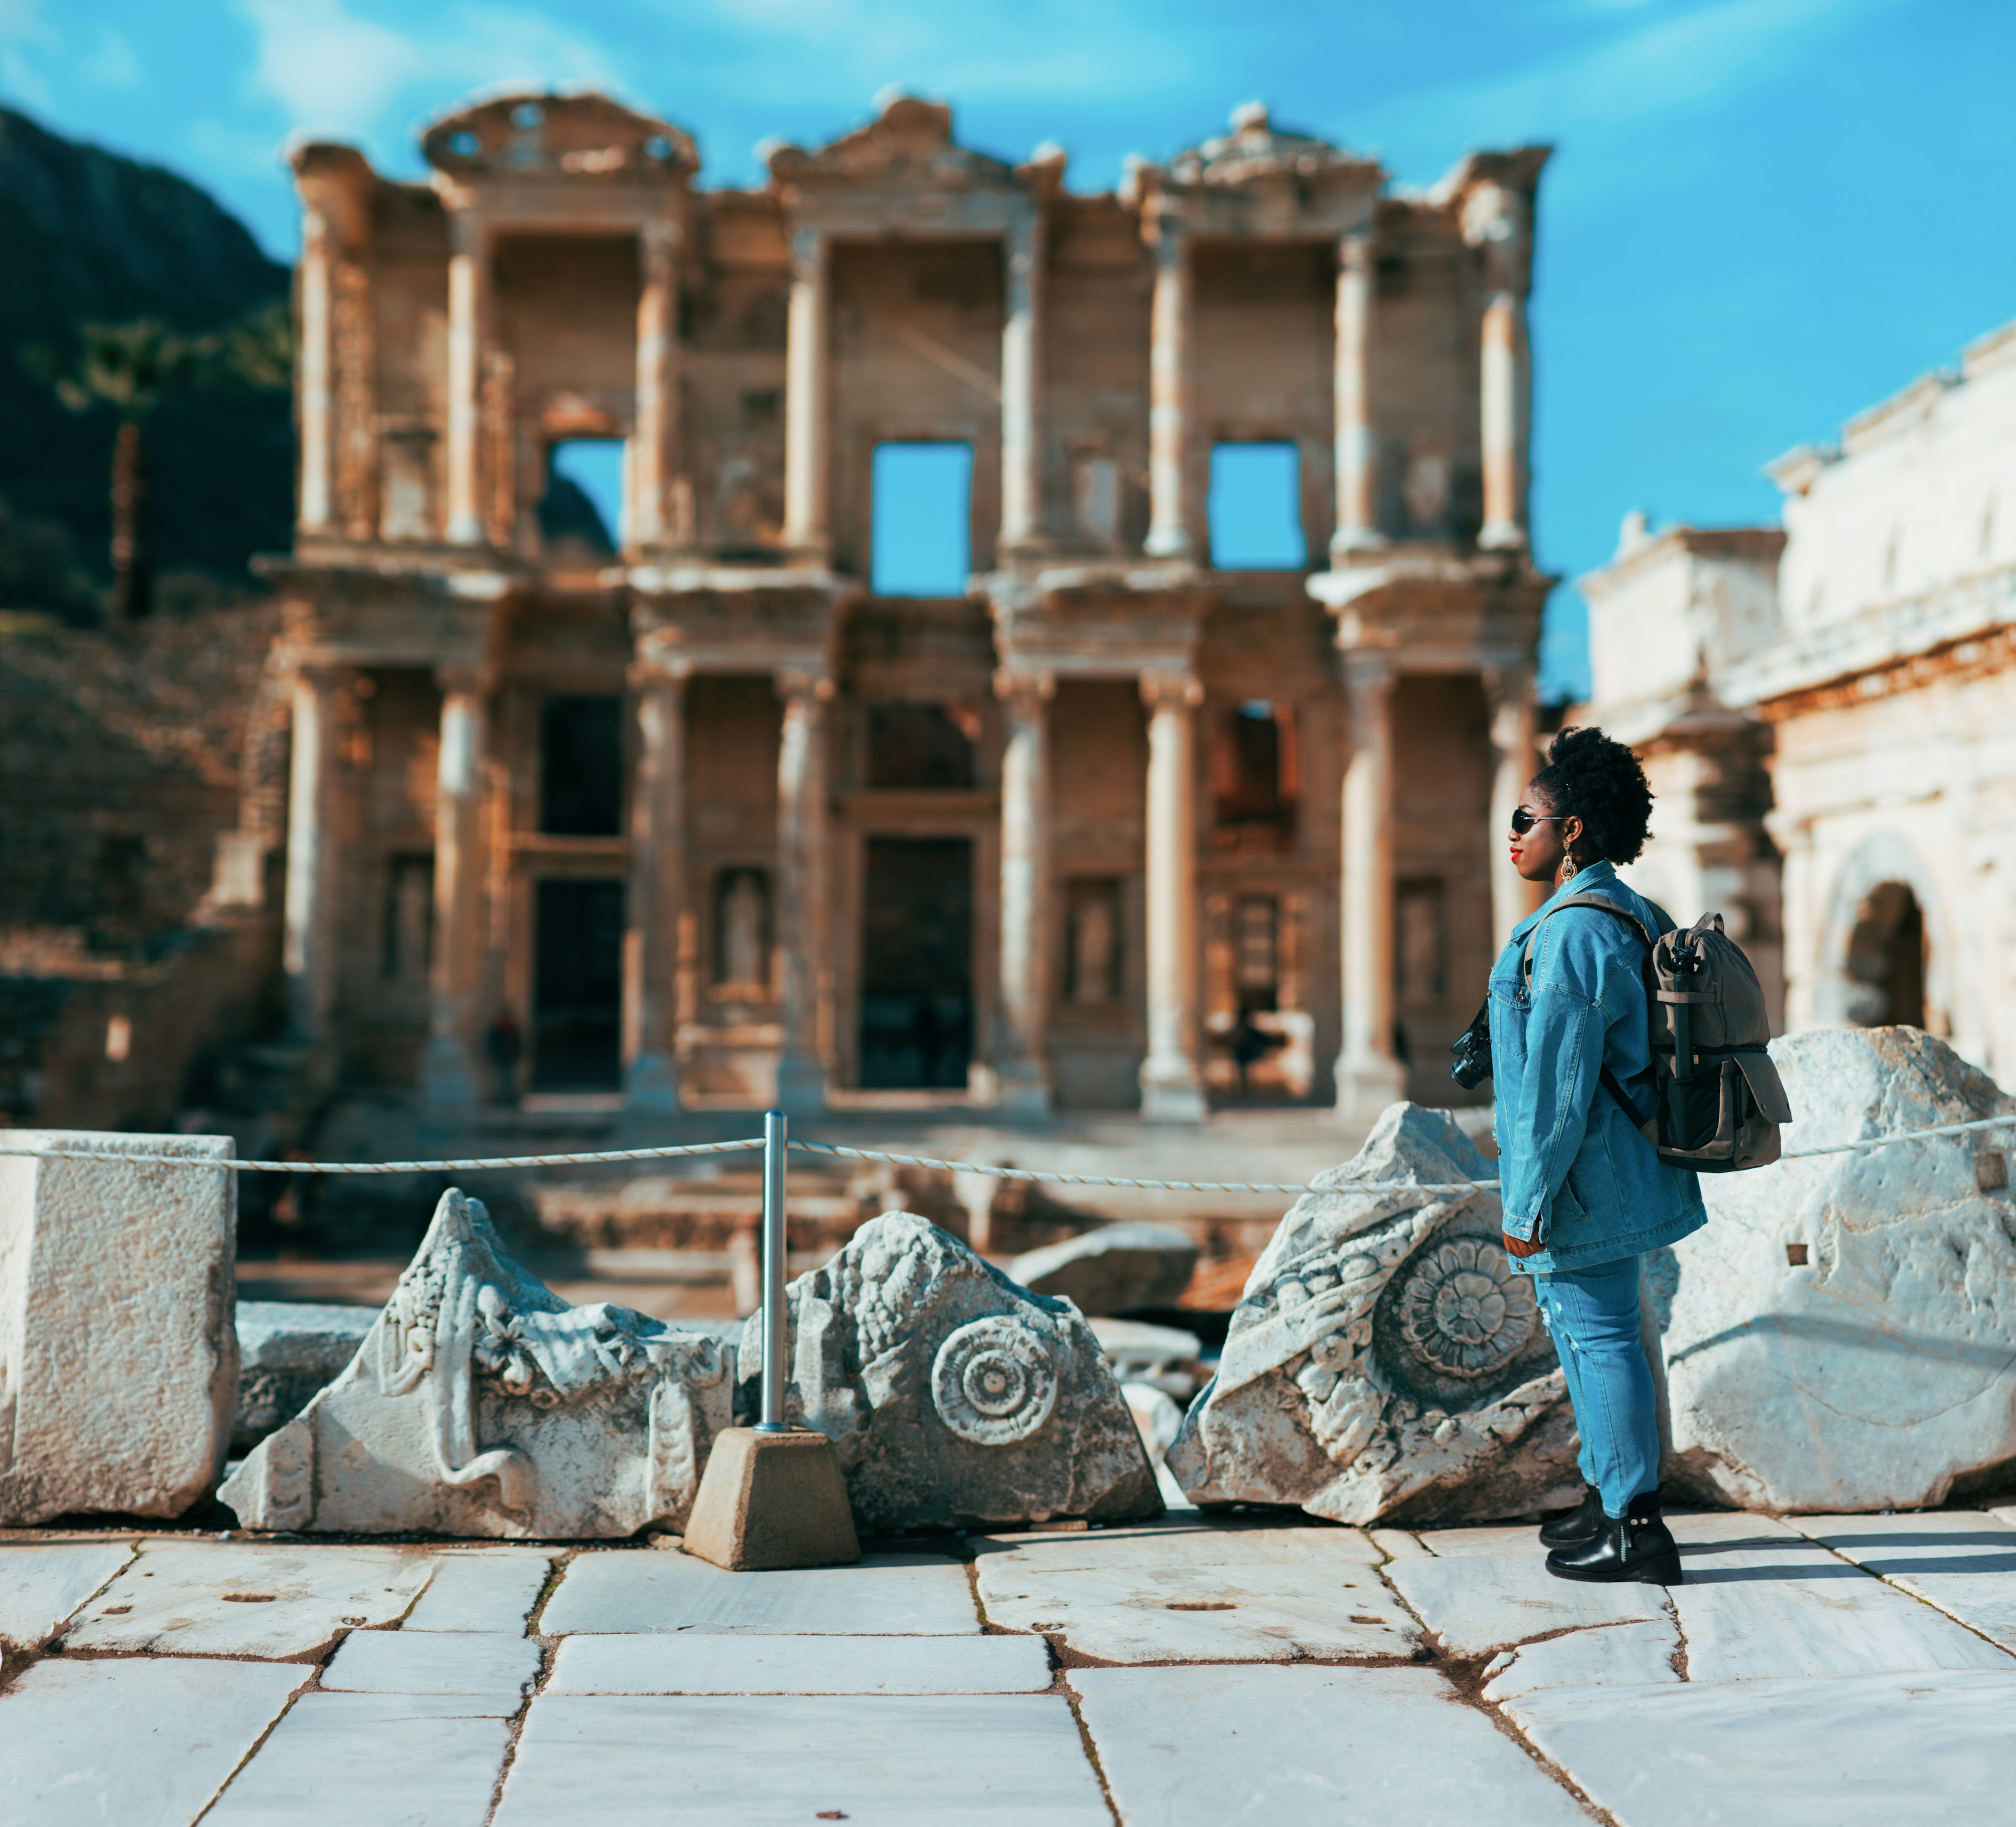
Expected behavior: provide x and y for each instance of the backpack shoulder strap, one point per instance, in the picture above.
(1602, 901)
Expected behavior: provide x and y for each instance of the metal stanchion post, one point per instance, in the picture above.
(776, 1342)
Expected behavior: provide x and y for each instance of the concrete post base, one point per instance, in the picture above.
(771, 1501)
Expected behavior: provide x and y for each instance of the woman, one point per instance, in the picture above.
(1585, 1194)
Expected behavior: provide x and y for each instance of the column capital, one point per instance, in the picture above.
(1368, 672)
(464, 680)
(1497, 219)
(655, 671)
(1161, 690)
(804, 681)
(809, 243)
(1357, 248)
(1012, 686)
(659, 235)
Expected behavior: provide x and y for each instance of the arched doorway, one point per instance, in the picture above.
(1885, 966)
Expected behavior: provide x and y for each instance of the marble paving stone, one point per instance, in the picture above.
(41, 1584)
(979, 1760)
(721, 1663)
(1713, 1528)
(1360, 1747)
(481, 1589)
(1609, 1655)
(1962, 1561)
(1863, 1750)
(1261, 1612)
(489, 1665)
(1791, 1609)
(232, 1599)
(369, 1761)
(1397, 1544)
(621, 1591)
(141, 1744)
(1193, 1546)
(1497, 1538)
(1476, 1602)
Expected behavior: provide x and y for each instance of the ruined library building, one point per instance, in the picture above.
(721, 805)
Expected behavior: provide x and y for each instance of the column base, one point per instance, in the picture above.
(1172, 1092)
(1367, 1083)
(1502, 536)
(1168, 542)
(1350, 541)
(800, 1086)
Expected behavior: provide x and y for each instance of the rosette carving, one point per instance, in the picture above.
(994, 1381)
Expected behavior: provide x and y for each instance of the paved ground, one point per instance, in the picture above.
(1827, 1670)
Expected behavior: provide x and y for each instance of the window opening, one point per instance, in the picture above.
(580, 766)
(921, 505)
(580, 514)
(922, 745)
(1256, 508)
(1886, 959)
(1256, 771)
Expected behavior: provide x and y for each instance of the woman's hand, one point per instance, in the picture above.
(1523, 1246)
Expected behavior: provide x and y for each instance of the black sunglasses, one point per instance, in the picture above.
(1523, 821)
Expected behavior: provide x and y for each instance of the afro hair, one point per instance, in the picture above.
(1600, 781)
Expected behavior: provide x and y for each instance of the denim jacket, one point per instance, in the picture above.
(1574, 1171)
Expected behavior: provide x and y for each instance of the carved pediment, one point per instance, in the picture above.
(1256, 150)
(908, 144)
(585, 136)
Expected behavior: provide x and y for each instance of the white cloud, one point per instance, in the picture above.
(112, 65)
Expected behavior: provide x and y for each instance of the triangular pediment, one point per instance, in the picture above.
(909, 145)
(585, 136)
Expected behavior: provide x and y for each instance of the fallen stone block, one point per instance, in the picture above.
(1843, 1335)
(288, 1352)
(1116, 1269)
(1388, 1362)
(953, 1397)
(118, 1362)
(481, 1404)
(1165, 1357)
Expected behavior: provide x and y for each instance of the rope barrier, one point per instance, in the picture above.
(753, 1144)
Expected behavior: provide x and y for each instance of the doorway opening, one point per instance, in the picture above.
(580, 764)
(578, 986)
(916, 965)
(1886, 960)
(921, 506)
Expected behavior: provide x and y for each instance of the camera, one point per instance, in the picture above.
(1472, 1048)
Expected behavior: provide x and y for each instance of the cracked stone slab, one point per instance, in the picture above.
(342, 1760)
(477, 1666)
(979, 1760)
(1962, 1561)
(1177, 1546)
(42, 1584)
(723, 1662)
(1498, 1538)
(1751, 1612)
(481, 1589)
(1473, 1602)
(623, 1591)
(1198, 1747)
(1609, 1655)
(1861, 1751)
(232, 1599)
(142, 1743)
(1260, 1611)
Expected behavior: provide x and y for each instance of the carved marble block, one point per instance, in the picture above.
(481, 1404)
(1388, 1362)
(953, 1395)
(118, 1363)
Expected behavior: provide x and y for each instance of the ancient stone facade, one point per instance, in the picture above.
(1879, 676)
(1111, 823)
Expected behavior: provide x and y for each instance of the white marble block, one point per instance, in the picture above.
(118, 1362)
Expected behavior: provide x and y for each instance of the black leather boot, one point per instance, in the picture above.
(1637, 1546)
(1583, 1523)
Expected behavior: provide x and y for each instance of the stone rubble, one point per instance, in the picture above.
(1386, 1362)
(288, 1352)
(1116, 1269)
(1167, 1357)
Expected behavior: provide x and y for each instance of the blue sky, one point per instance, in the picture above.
(1763, 215)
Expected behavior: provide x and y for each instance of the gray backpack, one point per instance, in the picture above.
(1717, 1101)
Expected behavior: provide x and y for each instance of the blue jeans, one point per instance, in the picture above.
(1592, 1314)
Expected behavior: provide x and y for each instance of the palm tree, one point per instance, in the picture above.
(135, 367)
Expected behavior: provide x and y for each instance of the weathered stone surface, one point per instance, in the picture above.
(1172, 1544)
(118, 1364)
(478, 1666)
(1200, 1747)
(1113, 1270)
(771, 1500)
(1158, 1419)
(1882, 1367)
(1387, 1363)
(1166, 1357)
(41, 1584)
(1611, 1656)
(481, 1404)
(708, 1662)
(287, 1352)
(1962, 1561)
(953, 1395)
(1476, 1602)
(225, 1599)
(480, 1589)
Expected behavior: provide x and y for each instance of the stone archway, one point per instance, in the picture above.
(1885, 963)
(1882, 960)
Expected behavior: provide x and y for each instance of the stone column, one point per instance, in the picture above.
(802, 879)
(1508, 691)
(653, 516)
(656, 894)
(1496, 220)
(1172, 1083)
(1357, 449)
(1021, 381)
(447, 1074)
(308, 945)
(317, 373)
(1369, 1077)
(1021, 1060)
(806, 456)
(468, 339)
(1168, 399)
